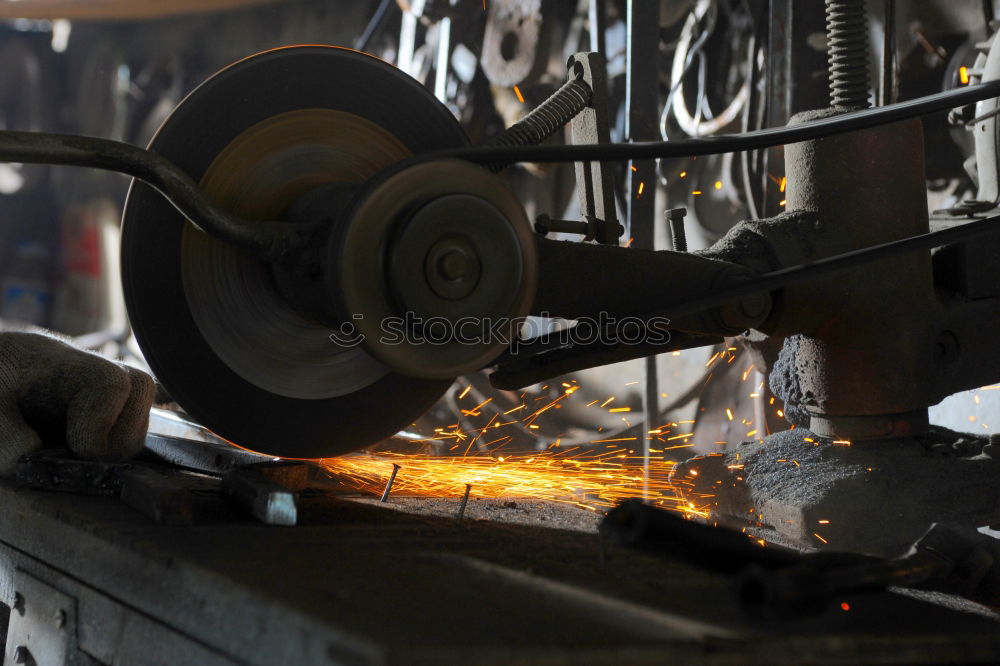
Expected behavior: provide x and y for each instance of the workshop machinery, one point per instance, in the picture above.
(312, 252)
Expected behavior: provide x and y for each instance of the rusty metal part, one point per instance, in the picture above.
(211, 322)
(292, 475)
(511, 51)
(621, 269)
(443, 242)
(855, 384)
(168, 493)
(58, 469)
(537, 361)
(595, 181)
(200, 456)
(783, 244)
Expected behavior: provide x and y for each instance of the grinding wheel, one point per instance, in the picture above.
(214, 329)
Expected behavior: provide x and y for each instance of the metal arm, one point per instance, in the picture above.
(271, 241)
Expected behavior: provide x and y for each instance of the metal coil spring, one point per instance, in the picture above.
(544, 120)
(847, 36)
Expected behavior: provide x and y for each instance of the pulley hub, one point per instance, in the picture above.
(436, 267)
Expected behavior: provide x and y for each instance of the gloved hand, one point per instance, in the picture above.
(54, 393)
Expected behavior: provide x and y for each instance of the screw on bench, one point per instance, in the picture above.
(678, 239)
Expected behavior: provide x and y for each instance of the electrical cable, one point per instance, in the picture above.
(729, 143)
(275, 241)
(678, 74)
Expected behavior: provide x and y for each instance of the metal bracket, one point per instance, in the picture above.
(595, 180)
(42, 630)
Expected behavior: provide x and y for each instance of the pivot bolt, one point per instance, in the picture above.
(678, 239)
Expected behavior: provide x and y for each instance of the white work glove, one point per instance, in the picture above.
(95, 407)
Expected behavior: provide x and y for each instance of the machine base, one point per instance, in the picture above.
(875, 496)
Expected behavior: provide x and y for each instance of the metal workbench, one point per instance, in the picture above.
(361, 583)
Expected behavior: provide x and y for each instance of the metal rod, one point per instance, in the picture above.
(642, 113)
(443, 58)
(272, 241)
(388, 484)
(597, 22)
(887, 84)
(408, 36)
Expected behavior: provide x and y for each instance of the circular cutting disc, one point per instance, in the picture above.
(258, 136)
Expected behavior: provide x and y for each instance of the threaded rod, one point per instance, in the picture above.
(847, 41)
